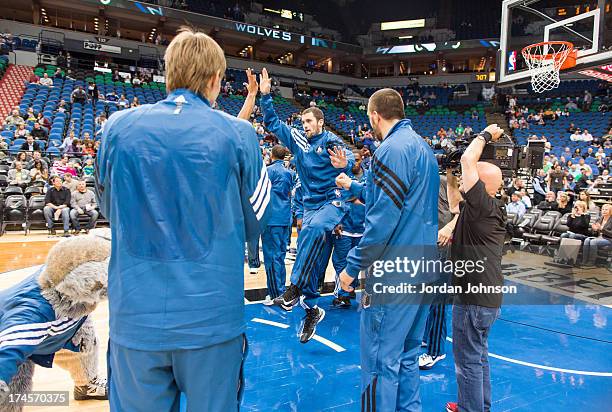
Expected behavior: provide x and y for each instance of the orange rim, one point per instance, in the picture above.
(569, 46)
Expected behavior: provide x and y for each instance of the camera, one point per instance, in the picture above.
(503, 153)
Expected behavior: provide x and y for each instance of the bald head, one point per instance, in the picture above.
(490, 175)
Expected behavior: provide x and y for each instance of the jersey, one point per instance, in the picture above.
(353, 223)
(280, 197)
(401, 197)
(29, 328)
(184, 187)
(312, 158)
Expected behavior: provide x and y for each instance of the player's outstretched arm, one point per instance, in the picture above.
(249, 102)
(290, 137)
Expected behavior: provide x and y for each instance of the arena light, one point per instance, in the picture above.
(405, 37)
(402, 24)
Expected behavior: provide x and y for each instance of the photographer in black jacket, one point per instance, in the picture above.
(478, 237)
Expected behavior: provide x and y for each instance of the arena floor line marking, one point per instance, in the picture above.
(270, 322)
(329, 343)
(318, 338)
(549, 368)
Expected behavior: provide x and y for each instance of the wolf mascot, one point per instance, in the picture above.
(44, 319)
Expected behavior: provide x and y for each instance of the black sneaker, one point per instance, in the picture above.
(343, 302)
(309, 326)
(288, 299)
(66, 233)
(96, 389)
(52, 232)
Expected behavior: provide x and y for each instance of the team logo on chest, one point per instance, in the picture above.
(319, 150)
(337, 192)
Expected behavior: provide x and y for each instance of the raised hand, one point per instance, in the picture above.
(252, 85)
(337, 157)
(265, 83)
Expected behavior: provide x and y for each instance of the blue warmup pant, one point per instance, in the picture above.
(342, 245)
(210, 379)
(390, 339)
(274, 246)
(316, 229)
(253, 253)
(436, 330)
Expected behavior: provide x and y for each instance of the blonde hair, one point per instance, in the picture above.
(583, 204)
(192, 59)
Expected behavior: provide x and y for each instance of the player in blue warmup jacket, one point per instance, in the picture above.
(320, 156)
(347, 236)
(274, 237)
(401, 222)
(184, 186)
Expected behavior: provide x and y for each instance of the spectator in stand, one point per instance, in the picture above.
(38, 132)
(571, 105)
(34, 79)
(586, 101)
(603, 229)
(459, 130)
(83, 202)
(67, 143)
(21, 157)
(21, 132)
(46, 81)
(88, 170)
(58, 74)
(590, 205)
(89, 151)
(563, 203)
(577, 136)
(57, 203)
(36, 156)
(29, 116)
(123, 102)
(556, 179)
(578, 222)
(585, 180)
(79, 95)
(586, 136)
(61, 167)
(549, 203)
(18, 176)
(30, 145)
(69, 182)
(525, 198)
(74, 149)
(92, 91)
(39, 173)
(540, 187)
(44, 122)
(135, 102)
(516, 206)
(62, 106)
(517, 185)
(14, 119)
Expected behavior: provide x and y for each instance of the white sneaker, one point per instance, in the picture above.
(268, 301)
(427, 362)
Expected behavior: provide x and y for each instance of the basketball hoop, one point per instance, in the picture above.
(545, 60)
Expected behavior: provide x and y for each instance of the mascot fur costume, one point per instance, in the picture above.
(44, 319)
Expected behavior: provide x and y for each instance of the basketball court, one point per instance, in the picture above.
(544, 357)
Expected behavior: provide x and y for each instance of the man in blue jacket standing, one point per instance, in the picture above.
(319, 157)
(274, 237)
(184, 186)
(401, 197)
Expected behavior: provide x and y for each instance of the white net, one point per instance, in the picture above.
(545, 60)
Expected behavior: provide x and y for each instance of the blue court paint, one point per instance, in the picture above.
(284, 375)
